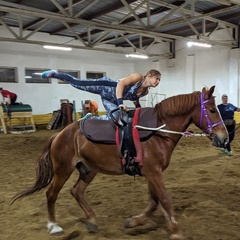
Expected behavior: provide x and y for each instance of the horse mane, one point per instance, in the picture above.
(177, 105)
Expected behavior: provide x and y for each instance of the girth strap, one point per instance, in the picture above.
(136, 138)
(124, 137)
(128, 142)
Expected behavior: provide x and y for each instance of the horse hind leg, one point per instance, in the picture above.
(57, 183)
(77, 192)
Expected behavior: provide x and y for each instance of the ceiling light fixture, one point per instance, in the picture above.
(199, 44)
(57, 48)
(136, 55)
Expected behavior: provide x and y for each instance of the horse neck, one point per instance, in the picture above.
(177, 124)
(177, 113)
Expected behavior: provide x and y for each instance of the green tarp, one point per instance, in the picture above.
(17, 108)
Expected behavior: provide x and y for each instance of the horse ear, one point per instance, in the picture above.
(204, 90)
(210, 92)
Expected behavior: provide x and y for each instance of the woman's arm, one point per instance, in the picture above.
(137, 104)
(8, 99)
(127, 81)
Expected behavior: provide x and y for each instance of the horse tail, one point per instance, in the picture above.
(44, 172)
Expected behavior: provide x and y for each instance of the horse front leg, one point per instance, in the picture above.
(77, 192)
(157, 187)
(142, 218)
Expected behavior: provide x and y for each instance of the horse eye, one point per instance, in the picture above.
(213, 110)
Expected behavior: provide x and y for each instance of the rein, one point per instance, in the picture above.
(187, 133)
(235, 130)
(159, 129)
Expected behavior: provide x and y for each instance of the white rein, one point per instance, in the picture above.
(160, 129)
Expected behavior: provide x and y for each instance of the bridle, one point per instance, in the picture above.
(204, 113)
(208, 132)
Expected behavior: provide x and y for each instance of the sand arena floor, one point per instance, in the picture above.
(204, 185)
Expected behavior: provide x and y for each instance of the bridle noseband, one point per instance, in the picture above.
(204, 112)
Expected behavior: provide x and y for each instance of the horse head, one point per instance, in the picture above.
(209, 120)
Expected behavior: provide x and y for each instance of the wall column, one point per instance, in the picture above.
(234, 78)
(190, 73)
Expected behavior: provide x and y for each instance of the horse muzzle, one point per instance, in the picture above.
(217, 142)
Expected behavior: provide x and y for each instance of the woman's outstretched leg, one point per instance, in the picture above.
(104, 86)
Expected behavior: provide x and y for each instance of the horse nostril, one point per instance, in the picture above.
(215, 141)
(218, 142)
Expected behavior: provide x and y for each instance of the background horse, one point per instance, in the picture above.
(65, 149)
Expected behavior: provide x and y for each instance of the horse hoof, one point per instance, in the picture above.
(128, 223)
(176, 236)
(92, 228)
(54, 229)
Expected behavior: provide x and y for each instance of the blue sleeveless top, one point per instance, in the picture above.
(130, 92)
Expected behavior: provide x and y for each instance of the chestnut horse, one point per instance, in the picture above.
(69, 147)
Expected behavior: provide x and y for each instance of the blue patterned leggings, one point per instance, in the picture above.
(105, 87)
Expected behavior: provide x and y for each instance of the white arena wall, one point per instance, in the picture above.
(192, 69)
